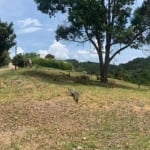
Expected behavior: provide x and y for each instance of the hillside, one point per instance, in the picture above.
(136, 71)
(138, 63)
(37, 112)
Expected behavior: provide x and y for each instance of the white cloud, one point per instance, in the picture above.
(60, 51)
(43, 53)
(29, 22)
(84, 55)
(29, 25)
(19, 51)
(51, 30)
(29, 30)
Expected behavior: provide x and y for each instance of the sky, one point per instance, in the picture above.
(36, 33)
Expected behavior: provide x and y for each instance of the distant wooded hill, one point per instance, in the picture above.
(136, 71)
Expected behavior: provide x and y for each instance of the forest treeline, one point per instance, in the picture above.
(136, 71)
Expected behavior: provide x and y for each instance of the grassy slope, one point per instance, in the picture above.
(38, 113)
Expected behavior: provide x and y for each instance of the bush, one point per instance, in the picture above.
(50, 56)
(20, 61)
(52, 63)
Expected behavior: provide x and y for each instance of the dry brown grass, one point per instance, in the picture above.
(38, 113)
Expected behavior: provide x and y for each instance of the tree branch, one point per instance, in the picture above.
(118, 51)
(78, 41)
(90, 39)
(126, 46)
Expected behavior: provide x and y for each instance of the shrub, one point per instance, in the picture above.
(50, 56)
(20, 61)
(52, 63)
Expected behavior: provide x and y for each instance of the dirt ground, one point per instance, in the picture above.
(49, 123)
(10, 67)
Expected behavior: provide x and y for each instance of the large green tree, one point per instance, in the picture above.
(110, 25)
(7, 40)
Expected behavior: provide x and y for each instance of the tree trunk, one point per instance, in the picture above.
(103, 70)
(104, 74)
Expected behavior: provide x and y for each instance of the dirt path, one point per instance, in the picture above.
(4, 69)
(10, 67)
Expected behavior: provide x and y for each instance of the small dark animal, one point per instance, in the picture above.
(74, 94)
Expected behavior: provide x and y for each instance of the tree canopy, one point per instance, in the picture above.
(7, 40)
(50, 56)
(110, 25)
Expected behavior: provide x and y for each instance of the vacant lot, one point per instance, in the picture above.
(38, 113)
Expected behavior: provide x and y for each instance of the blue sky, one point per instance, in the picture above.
(36, 33)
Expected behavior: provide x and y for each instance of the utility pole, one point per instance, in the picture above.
(15, 55)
